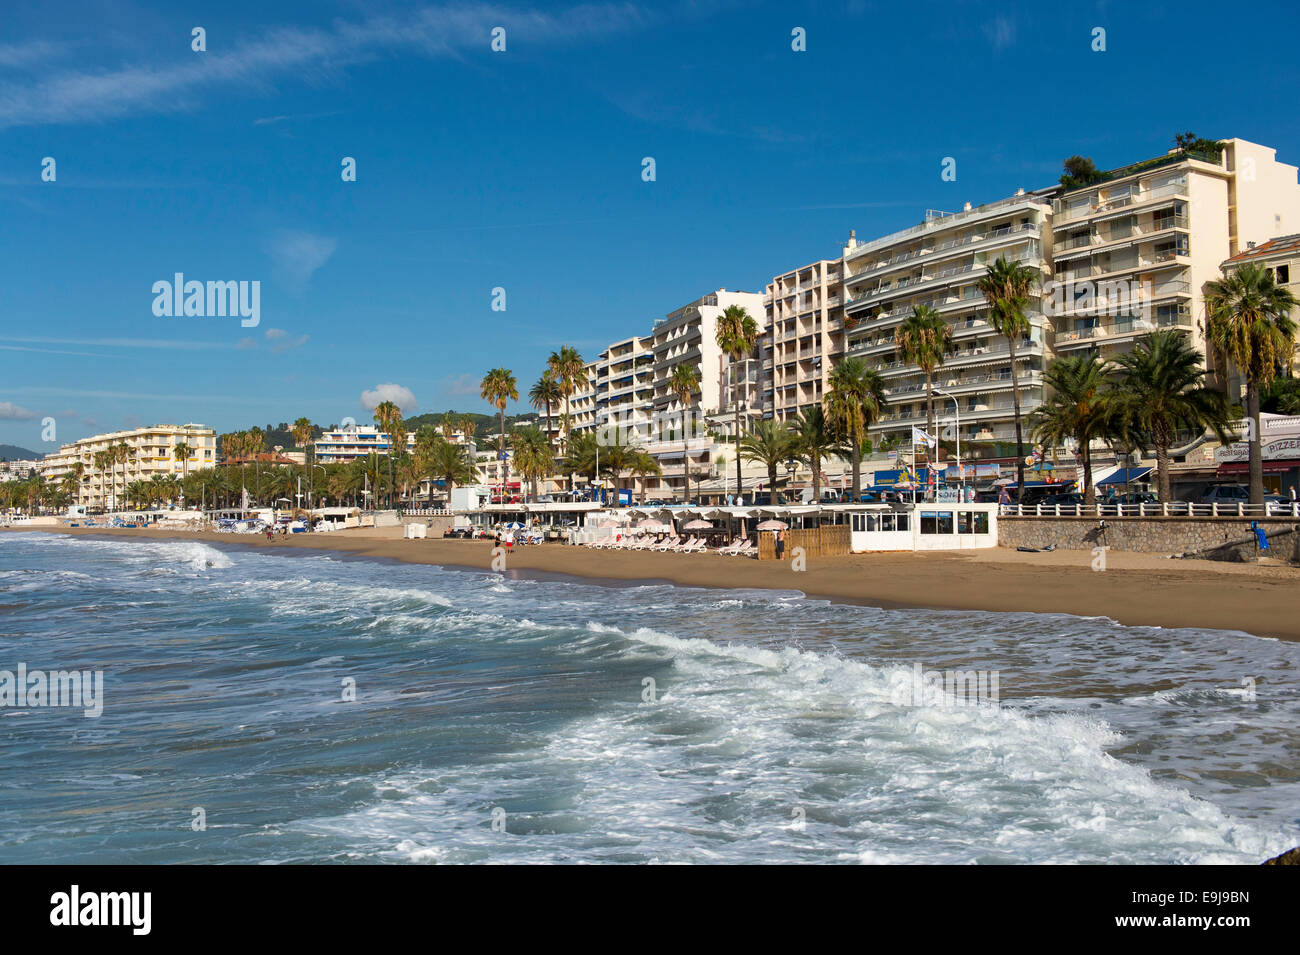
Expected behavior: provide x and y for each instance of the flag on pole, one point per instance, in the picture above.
(920, 437)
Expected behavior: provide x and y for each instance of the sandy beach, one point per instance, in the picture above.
(1135, 589)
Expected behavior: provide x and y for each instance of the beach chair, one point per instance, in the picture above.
(728, 549)
(745, 548)
(692, 546)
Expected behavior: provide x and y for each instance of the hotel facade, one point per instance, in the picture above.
(151, 452)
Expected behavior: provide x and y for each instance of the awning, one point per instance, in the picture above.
(1270, 467)
(1125, 476)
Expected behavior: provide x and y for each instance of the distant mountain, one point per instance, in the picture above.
(11, 452)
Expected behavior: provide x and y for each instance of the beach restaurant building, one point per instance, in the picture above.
(871, 527)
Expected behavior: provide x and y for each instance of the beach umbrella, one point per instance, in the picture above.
(698, 525)
(650, 524)
(773, 526)
(513, 526)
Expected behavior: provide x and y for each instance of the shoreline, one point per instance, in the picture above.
(1136, 589)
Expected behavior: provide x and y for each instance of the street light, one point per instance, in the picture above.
(956, 405)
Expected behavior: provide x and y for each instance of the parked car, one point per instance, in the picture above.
(1134, 497)
(1068, 499)
(1226, 494)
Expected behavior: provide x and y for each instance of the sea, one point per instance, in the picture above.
(263, 706)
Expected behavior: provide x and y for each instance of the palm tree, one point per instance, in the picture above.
(123, 454)
(389, 419)
(1006, 288)
(544, 395)
(79, 470)
(683, 383)
(445, 462)
(771, 443)
(570, 372)
(1078, 409)
(497, 387)
(100, 460)
(816, 441)
(924, 340)
(533, 459)
(1161, 389)
(736, 333)
(1249, 325)
(853, 402)
(303, 431)
(642, 465)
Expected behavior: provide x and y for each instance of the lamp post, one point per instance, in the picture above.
(311, 484)
(956, 406)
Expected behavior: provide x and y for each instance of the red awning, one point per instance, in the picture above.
(1270, 467)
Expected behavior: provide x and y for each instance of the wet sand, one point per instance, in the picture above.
(1135, 589)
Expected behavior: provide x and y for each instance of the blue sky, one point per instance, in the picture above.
(520, 170)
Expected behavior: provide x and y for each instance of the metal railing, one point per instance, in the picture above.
(1169, 509)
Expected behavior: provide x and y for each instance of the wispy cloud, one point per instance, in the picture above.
(161, 343)
(282, 341)
(12, 412)
(31, 53)
(297, 255)
(1001, 32)
(314, 54)
(464, 385)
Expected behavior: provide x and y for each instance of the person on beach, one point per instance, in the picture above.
(780, 545)
(1003, 496)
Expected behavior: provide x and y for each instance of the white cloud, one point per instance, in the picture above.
(297, 255)
(12, 412)
(398, 395)
(73, 95)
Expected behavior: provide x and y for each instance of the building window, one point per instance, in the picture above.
(1283, 274)
(972, 522)
(936, 522)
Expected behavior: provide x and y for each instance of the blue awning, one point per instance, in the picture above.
(1126, 476)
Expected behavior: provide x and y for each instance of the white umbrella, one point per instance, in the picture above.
(650, 524)
(698, 525)
(773, 526)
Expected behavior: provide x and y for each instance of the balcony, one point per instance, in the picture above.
(1064, 213)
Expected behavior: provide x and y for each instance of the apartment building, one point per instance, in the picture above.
(1132, 252)
(621, 388)
(1281, 257)
(803, 339)
(151, 452)
(938, 263)
(347, 444)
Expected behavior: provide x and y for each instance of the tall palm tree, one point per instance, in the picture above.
(123, 454)
(816, 441)
(1078, 409)
(445, 462)
(497, 387)
(1006, 288)
(1162, 389)
(642, 465)
(769, 442)
(570, 372)
(389, 419)
(100, 460)
(79, 470)
(544, 395)
(1249, 325)
(853, 401)
(533, 459)
(303, 431)
(736, 333)
(924, 340)
(684, 382)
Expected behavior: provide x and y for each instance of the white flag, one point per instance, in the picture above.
(920, 437)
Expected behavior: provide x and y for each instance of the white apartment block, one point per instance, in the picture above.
(804, 337)
(150, 453)
(1133, 252)
(342, 445)
(19, 470)
(938, 263)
